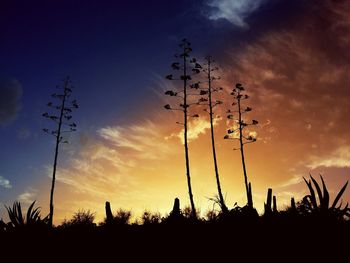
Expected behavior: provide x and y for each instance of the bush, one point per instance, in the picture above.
(81, 218)
(122, 217)
(149, 218)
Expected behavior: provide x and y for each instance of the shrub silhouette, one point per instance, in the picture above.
(121, 217)
(217, 201)
(211, 216)
(149, 218)
(80, 219)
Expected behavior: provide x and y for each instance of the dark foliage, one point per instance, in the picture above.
(32, 219)
(121, 217)
(81, 219)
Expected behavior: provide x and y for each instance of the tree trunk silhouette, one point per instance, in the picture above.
(58, 140)
(188, 175)
(184, 65)
(248, 189)
(221, 198)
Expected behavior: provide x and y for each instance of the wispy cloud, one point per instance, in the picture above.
(28, 196)
(339, 158)
(115, 135)
(139, 138)
(5, 182)
(235, 11)
(196, 127)
(296, 179)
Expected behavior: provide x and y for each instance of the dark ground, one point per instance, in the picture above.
(257, 241)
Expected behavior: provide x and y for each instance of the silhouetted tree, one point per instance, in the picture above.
(187, 66)
(208, 90)
(63, 125)
(238, 132)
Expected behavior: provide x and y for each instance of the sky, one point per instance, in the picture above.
(292, 57)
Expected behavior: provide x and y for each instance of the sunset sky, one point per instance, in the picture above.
(292, 56)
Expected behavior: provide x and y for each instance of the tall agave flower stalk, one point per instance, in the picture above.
(239, 132)
(63, 125)
(187, 66)
(209, 90)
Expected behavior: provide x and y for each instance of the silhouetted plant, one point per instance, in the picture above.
(175, 215)
(187, 67)
(217, 201)
(268, 204)
(62, 119)
(80, 219)
(32, 218)
(211, 216)
(176, 212)
(208, 91)
(186, 213)
(274, 207)
(121, 217)
(271, 204)
(309, 204)
(293, 207)
(109, 215)
(238, 132)
(239, 214)
(149, 218)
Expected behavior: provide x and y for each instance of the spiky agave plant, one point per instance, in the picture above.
(322, 207)
(32, 218)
